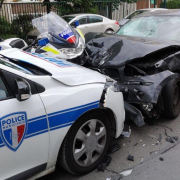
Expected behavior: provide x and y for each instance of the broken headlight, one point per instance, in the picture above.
(74, 52)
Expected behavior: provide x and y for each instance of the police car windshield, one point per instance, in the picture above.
(5, 62)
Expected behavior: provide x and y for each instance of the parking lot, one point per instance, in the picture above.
(142, 144)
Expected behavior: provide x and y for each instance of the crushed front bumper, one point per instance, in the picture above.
(114, 101)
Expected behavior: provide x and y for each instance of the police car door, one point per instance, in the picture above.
(24, 136)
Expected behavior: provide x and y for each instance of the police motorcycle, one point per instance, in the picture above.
(56, 39)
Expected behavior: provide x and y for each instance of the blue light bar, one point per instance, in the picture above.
(43, 42)
(0, 48)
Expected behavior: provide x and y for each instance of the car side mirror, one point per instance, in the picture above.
(76, 23)
(23, 89)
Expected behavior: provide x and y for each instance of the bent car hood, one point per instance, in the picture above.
(61, 70)
(116, 50)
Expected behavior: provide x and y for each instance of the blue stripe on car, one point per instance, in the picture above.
(57, 120)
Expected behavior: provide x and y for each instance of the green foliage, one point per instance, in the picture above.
(22, 25)
(5, 27)
(173, 4)
(19, 27)
(1, 2)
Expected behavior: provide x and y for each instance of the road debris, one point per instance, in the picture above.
(135, 144)
(172, 139)
(113, 148)
(126, 172)
(106, 161)
(130, 157)
(144, 145)
(161, 159)
(127, 133)
(115, 177)
(151, 136)
(160, 138)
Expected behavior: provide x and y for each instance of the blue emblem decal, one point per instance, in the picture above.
(13, 128)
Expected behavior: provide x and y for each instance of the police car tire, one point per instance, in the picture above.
(66, 159)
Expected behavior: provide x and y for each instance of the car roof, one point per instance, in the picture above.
(173, 12)
(81, 14)
(152, 9)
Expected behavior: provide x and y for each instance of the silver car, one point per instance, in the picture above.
(92, 23)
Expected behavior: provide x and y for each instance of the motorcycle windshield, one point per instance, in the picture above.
(55, 26)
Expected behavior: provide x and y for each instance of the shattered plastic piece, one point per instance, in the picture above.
(124, 144)
(126, 134)
(135, 144)
(144, 144)
(106, 161)
(172, 139)
(176, 138)
(153, 144)
(130, 157)
(113, 148)
(116, 177)
(160, 138)
(126, 172)
(142, 160)
(161, 159)
(140, 140)
(152, 136)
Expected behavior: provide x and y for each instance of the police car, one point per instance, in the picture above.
(53, 111)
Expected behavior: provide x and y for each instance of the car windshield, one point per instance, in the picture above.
(5, 62)
(159, 27)
(68, 18)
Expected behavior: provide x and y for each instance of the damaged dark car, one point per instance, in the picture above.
(144, 57)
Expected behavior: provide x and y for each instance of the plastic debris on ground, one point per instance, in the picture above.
(113, 148)
(160, 138)
(172, 139)
(127, 133)
(161, 159)
(126, 172)
(106, 161)
(130, 157)
(135, 144)
(115, 177)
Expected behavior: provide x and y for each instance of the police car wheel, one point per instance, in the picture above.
(86, 144)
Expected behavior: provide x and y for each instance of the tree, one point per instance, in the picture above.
(1, 2)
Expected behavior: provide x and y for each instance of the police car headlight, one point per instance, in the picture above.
(112, 84)
(74, 52)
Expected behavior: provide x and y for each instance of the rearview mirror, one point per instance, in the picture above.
(23, 89)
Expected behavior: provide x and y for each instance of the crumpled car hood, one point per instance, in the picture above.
(116, 50)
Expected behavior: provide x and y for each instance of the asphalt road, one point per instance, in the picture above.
(146, 149)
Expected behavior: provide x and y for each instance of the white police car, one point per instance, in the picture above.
(53, 111)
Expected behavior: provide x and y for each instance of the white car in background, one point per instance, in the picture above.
(92, 23)
(53, 111)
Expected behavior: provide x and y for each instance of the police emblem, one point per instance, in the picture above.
(13, 128)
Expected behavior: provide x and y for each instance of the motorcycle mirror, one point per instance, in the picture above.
(76, 23)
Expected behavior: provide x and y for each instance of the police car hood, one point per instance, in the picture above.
(61, 70)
